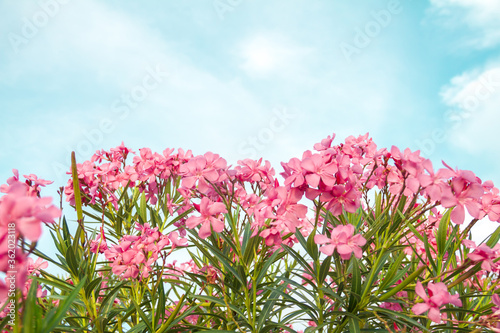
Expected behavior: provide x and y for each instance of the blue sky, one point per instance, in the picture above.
(247, 78)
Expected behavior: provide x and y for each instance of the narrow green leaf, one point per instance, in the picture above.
(442, 233)
(76, 188)
(354, 325)
(312, 248)
(269, 261)
(60, 313)
(246, 236)
(160, 305)
(92, 285)
(223, 260)
(143, 209)
(356, 284)
(324, 269)
(71, 261)
(401, 318)
(145, 319)
(30, 308)
(428, 247)
(494, 238)
(264, 315)
(403, 284)
(304, 264)
(221, 303)
(391, 272)
(107, 302)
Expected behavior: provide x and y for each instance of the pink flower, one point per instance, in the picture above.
(272, 236)
(486, 255)
(460, 194)
(325, 143)
(203, 168)
(319, 170)
(27, 212)
(293, 174)
(35, 266)
(432, 182)
(343, 241)
(345, 197)
(252, 171)
(99, 244)
(176, 241)
(438, 297)
(490, 205)
(207, 219)
(134, 256)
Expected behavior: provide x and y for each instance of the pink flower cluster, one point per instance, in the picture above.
(438, 297)
(22, 212)
(106, 172)
(493, 321)
(334, 175)
(134, 256)
(175, 270)
(342, 240)
(487, 257)
(208, 220)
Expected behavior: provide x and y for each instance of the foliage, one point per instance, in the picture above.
(354, 239)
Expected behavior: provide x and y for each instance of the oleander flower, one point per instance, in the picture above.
(342, 240)
(438, 297)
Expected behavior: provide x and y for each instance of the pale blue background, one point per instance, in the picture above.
(418, 74)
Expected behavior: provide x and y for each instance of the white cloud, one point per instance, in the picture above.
(266, 54)
(474, 99)
(481, 16)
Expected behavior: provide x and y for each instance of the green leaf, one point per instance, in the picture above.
(246, 237)
(268, 306)
(401, 318)
(403, 284)
(66, 233)
(301, 239)
(276, 327)
(4, 322)
(30, 308)
(312, 248)
(107, 302)
(220, 302)
(428, 248)
(393, 268)
(228, 265)
(160, 305)
(442, 233)
(250, 247)
(494, 238)
(155, 219)
(76, 188)
(52, 321)
(53, 281)
(304, 264)
(324, 269)
(143, 316)
(269, 261)
(355, 285)
(91, 286)
(143, 209)
(71, 261)
(354, 325)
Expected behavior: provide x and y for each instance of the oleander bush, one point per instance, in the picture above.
(348, 237)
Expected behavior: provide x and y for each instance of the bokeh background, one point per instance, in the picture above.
(247, 78)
